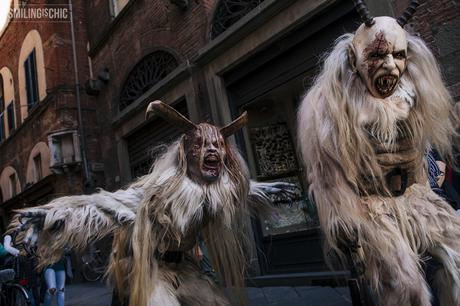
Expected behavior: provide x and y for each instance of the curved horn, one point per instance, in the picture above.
(169, 114)
(235, 125)
(362, 10)
(408, 13)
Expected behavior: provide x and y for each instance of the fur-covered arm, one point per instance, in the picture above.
(74, 221)
(260, 194)
(261, 191)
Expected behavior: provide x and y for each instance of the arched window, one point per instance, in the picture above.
(31, 73)
(7, 111)
(149, 71)
(228, 12)
(9, 182)
(38, 166)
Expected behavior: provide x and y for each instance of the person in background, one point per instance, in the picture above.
(8, 247)
(3, 254)
(437, 176)
(25, 265)
(437, 170)
(55, 276)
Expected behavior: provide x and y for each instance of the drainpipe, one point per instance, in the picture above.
(81, 131)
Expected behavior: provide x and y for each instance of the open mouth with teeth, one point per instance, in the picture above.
(211, 165)
(386, 84)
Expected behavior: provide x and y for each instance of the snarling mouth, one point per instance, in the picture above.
(386, 84)
(211, 162)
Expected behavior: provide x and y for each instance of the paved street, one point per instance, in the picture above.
(88, 294)
(96, 294)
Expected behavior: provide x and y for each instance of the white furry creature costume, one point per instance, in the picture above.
(201, 184)
(364, 126)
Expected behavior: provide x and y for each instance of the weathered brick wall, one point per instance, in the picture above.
(438, 23)
(59, 109)
(119, 44)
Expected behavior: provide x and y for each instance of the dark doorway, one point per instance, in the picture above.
(270, 86)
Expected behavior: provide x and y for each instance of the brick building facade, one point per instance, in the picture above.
(212, 60)
(41, 154)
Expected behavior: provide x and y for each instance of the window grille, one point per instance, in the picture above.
(149, 71)
(228, 12)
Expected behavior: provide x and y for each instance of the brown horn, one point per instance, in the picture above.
(362, 10)
(169, 114)
(408, 13)
(235, 125)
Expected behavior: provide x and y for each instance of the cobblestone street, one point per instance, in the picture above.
(96, 294)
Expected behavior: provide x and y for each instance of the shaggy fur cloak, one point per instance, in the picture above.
(158, 215)
(347, 138)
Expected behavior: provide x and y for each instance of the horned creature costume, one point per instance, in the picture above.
(200, 184)
(364, 126)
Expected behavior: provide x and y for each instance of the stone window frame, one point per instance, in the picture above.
(5, 183)
(40, 153)
(31, 42)
(8, 112)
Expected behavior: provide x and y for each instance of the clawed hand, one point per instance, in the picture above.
(31, 223)
(288, 191)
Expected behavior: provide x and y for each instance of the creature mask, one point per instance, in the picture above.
(205, 149)
(204, 144)
(379, 50)
(379, 55)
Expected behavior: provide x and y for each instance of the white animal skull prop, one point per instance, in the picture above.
(378, 53)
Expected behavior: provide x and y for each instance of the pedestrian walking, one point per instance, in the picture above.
(55, 276)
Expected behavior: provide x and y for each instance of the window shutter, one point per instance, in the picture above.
(30, 67)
